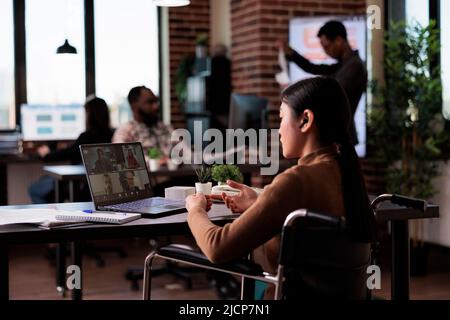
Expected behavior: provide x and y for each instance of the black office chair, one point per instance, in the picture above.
(317, 259)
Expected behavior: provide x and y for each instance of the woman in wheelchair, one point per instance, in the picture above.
(315, 120)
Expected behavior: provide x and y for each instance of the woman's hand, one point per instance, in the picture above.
(43, 151)
(242, 201)
(198, 200)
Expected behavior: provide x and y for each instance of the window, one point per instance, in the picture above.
(418, 10)
(126, 52)
(54, 79)
(7, 102)
(445, 56)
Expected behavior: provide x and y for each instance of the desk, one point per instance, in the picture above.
(69, 173)
(21, 234)
(399, 218)
(177, 224)
(5, 161)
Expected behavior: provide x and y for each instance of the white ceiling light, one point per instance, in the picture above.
(171, 3)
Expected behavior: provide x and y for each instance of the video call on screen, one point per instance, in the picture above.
(116, 172)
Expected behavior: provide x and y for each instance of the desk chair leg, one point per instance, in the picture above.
(400, 260)
(147, 283)
(61, 269)
(248, 289)
(77, 259)
(4, 272)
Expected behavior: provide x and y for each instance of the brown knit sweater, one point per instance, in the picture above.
(314, 184)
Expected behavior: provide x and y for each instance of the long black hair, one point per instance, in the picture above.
(329, 103)
(97, 116)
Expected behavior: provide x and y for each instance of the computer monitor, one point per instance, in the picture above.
(43, 122)
(247, 111)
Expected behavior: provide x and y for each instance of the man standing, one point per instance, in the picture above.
(350, 71)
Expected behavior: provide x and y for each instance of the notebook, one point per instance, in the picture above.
(109, 217)
(42, 218)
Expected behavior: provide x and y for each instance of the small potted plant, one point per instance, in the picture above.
(154, 155)
(223, 172)
(204, 184)
(201, 44)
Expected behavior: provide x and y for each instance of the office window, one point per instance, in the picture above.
(418, 10)
(7, 101)
(445, 56)
(54, 79)
(126, 52)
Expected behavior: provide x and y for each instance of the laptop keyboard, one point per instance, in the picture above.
(139, 204)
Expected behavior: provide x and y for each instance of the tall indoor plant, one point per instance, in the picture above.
(405, 122)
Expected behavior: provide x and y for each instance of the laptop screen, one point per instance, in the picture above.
(116, 173)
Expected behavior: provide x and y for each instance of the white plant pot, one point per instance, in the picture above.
(153, 164)
(204, 188)
(172, 166)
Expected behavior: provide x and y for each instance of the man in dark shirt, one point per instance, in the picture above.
(350, 71)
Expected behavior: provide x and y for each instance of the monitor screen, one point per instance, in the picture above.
(40, 122)
(116, 172)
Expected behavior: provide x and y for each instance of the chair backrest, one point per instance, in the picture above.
(247, 111)
(319, 260)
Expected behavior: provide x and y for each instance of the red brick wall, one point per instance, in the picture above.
(256, 25)
(185, 23)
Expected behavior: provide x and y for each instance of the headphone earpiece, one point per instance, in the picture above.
(305, 121)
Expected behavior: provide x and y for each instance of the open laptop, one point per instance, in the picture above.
(119, 181)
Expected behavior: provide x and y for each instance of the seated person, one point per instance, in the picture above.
(132, 163)
(107, 184)
(102, 164)
(315, 120)
(97, 131)
(146, 126)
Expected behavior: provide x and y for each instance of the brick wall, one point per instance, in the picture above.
(185, 23)
(256, 25)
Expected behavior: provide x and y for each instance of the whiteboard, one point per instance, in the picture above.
(303, 39)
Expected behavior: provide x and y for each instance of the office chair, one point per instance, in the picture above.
(247, 111)
(317, 260)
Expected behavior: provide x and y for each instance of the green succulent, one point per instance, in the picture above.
(203, 174)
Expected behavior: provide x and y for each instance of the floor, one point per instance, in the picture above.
(32, 276)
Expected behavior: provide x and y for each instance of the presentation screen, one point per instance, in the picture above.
(52, 122)
(303, 39)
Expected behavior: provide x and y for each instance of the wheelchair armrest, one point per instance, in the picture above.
(184, 254)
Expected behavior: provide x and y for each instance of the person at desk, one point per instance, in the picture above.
(315, 117)
(146, 126)
(97, 131)
(350, 71)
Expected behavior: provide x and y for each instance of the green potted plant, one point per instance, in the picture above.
(405, 122)
(223, 172)
(204, 184)
(201, 45)
(154, 155)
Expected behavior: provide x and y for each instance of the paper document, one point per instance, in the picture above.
(283, 76)
(38, 217)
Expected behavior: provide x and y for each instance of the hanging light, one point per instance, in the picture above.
(66, 48)
(171, 3)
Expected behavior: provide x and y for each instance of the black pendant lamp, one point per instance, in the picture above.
(66, 48)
